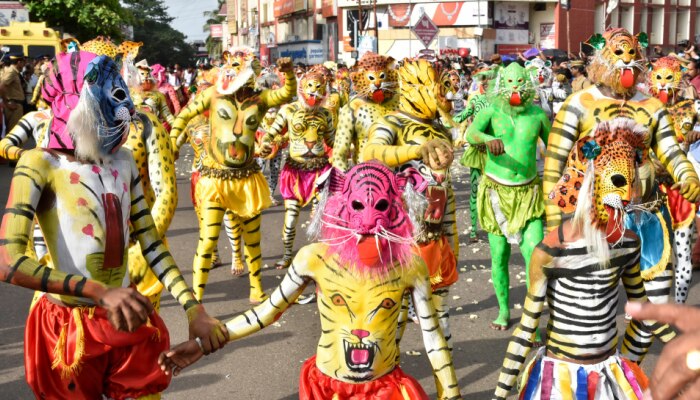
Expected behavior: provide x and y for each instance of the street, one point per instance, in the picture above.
(266, 365)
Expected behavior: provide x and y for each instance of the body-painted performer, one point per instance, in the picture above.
(91, 335)
(148, 98)
(510, 202)
(412, 137)
(577, 268)
(166, 88)
(358, 352)
(542, 76)
(474, 156)
(230, 177)
(309, 127)
(376, 84)
(614, 72)
(665, 80)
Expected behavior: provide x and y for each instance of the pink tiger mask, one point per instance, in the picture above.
(365, 220)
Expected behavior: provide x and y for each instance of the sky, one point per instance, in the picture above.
(189, 17)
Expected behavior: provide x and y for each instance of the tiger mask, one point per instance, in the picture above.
(600, 178)
(313, 88)
(364, 218)
(423, 90)
(375, 77)
(618, 61)
(665, 78)
(513, 89)
(239, 69)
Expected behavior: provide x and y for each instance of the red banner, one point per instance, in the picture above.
(286, 7)
(216, 31)
(328, 9)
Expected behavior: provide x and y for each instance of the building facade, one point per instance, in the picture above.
(313, 31)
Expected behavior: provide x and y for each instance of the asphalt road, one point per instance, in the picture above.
(266, 365)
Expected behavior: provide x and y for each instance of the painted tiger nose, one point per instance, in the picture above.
(360, 333)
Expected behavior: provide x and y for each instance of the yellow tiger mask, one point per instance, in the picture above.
(375, 78)
(239, 69)
(618, 61)
(665, 78)
(313, 88)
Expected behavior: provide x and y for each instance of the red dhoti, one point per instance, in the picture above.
(315, 385)
(75, 353)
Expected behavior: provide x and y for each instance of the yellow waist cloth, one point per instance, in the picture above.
(245, 197)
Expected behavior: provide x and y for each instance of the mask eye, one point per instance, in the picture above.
(371, 77)
(338, 300)
(619, 52)
(632, 52)
(119, 94)
(670, 77)
(388, 303)
(357, 206)
(658, 77)
(381, 76)
(382, 205)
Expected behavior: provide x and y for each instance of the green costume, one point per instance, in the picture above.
(474, 157)
(509, 200)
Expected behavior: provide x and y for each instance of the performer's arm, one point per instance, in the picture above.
(476, 133)
(175, 101)
(11, 145)
(433, 339)
(201, 325)
(282, 297)
(561, 139)
(329, 134)
(343, 138)
(668, 151)
(631, 343)
(380, 145)
(161, 168)
(36, 93)
(200, 104)
(164, 110)
(277, 97)
(524, 334)
(545, 127)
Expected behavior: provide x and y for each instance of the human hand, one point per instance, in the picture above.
(265, 149)
(690, 189)
(212, 332)
(180, 357)
(284, 64)
(126, 308)
(496, 147)
(692, 137)
(437, 154)
(677, 371)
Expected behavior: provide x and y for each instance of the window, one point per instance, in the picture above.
(38, 51)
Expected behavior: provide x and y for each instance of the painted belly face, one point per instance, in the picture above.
(306, 134)
(358, 319)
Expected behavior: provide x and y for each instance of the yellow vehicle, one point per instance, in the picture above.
(33, 39)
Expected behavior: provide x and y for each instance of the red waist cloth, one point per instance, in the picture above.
(441, 262)
(315, 385)
(193, 184)
(75, 353)
(682, 211)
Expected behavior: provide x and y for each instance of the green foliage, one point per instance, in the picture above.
(161, 43)
(213, 18)
(82, 18)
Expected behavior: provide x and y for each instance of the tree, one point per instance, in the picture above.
(213, 18)
(84, 19)
(161, 43)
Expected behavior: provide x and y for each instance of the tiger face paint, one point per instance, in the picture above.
(239, 69)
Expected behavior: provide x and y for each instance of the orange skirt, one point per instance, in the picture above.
(441, 262)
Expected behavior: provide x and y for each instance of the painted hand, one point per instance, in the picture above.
(437, 154)
(284, 64)
(690, 190)
(179, 357)
(677, 372)
(210, 331)
(496, 147)
(126, 308)
(265, 149)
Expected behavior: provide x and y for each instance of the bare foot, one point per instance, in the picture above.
(283, 264)
(255, 300)
(237, 268)
(498, 327)
(179, 357)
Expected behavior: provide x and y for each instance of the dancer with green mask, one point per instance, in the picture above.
(510, 201)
